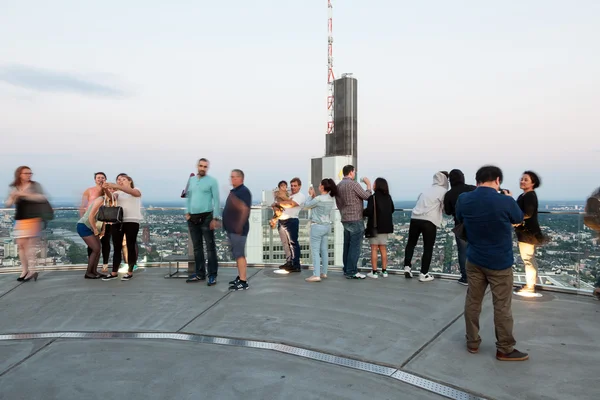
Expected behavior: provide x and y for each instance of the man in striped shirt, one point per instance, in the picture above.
(350, 202)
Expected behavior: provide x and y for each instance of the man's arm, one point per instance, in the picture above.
(360, 192)
(243, 209)
(188, 201)
(216, 200)
(84, 203)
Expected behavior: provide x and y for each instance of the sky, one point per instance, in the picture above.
(148, 87)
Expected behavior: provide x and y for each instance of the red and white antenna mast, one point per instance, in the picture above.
(330, 75)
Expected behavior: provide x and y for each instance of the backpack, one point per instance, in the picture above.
(591, 218)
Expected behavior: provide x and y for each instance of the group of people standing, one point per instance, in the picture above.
(97, 234)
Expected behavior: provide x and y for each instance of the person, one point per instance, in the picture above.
(320, 227)
(425, 218)
(236, 215)
(529, 233)
(26, 195)
(88, 197)
(130, 198)
(289, 225)
(488, 217)
(350, 202)
(457, 187)
(203, 213)
(592, 220)
(279, 195)
(90, 230)
(380, 223)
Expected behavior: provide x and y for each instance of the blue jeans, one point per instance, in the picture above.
(354, 232)
(199, 231)
(461, 246)
(319, 235)
(288, 231)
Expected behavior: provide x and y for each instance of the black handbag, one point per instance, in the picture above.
(372, 231)
(112, 214)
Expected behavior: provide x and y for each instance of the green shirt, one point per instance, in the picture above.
(203, 196)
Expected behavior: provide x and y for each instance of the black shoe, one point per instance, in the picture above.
(212, 280)
(20, 279)
(463, 282)
(110, 278)
(286, 265)
(127, 277)
(240, 285)
(294, 268)
(195, 278)
(515, 355)
(235, 281)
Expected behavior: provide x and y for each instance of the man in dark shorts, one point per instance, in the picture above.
(236, 223)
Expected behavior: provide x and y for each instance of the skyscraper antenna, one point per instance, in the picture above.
(330, 75)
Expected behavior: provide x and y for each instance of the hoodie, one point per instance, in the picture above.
(457, 182)
(430, 203)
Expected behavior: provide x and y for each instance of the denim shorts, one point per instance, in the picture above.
(84, 231)
(238, 245)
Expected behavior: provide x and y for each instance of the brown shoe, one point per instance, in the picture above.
(515, 355)
(473, 350)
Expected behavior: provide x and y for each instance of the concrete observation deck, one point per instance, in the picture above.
(64, 337)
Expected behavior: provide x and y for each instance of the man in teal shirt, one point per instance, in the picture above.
(203, 213)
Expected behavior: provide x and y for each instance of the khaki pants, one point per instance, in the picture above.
(531, 268)
(501, 284)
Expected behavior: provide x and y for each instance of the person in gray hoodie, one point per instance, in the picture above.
(426, 217)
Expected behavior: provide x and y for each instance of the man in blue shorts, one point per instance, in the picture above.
(236, 223)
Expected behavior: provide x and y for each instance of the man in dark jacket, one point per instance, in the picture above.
(458, 186)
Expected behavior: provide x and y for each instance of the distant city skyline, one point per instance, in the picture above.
(148, 87)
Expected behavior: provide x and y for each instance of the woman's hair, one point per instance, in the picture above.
(535, 179)
(381, 186)
(128, 178)
(329, 186)
(18, 172)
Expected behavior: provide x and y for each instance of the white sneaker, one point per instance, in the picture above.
(358, 275)
(407, 272)
(373, 274)
(425, 277)
(384, 274)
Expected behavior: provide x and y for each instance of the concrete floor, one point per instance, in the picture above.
(393, 322)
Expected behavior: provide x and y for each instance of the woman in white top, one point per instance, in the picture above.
(130, 198)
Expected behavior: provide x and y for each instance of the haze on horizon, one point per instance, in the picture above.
(149, 87)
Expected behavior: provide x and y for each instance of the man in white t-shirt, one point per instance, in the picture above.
(288, 226)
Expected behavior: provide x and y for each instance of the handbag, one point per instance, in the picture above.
(372, 231)
(112, 214)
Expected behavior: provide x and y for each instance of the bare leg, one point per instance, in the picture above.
(383, 251)
(241, 266)
(374, 257)
(23, 256)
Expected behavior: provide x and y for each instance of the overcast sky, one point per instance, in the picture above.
(148, 87)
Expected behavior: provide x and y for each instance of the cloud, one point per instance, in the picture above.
(44, 80)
